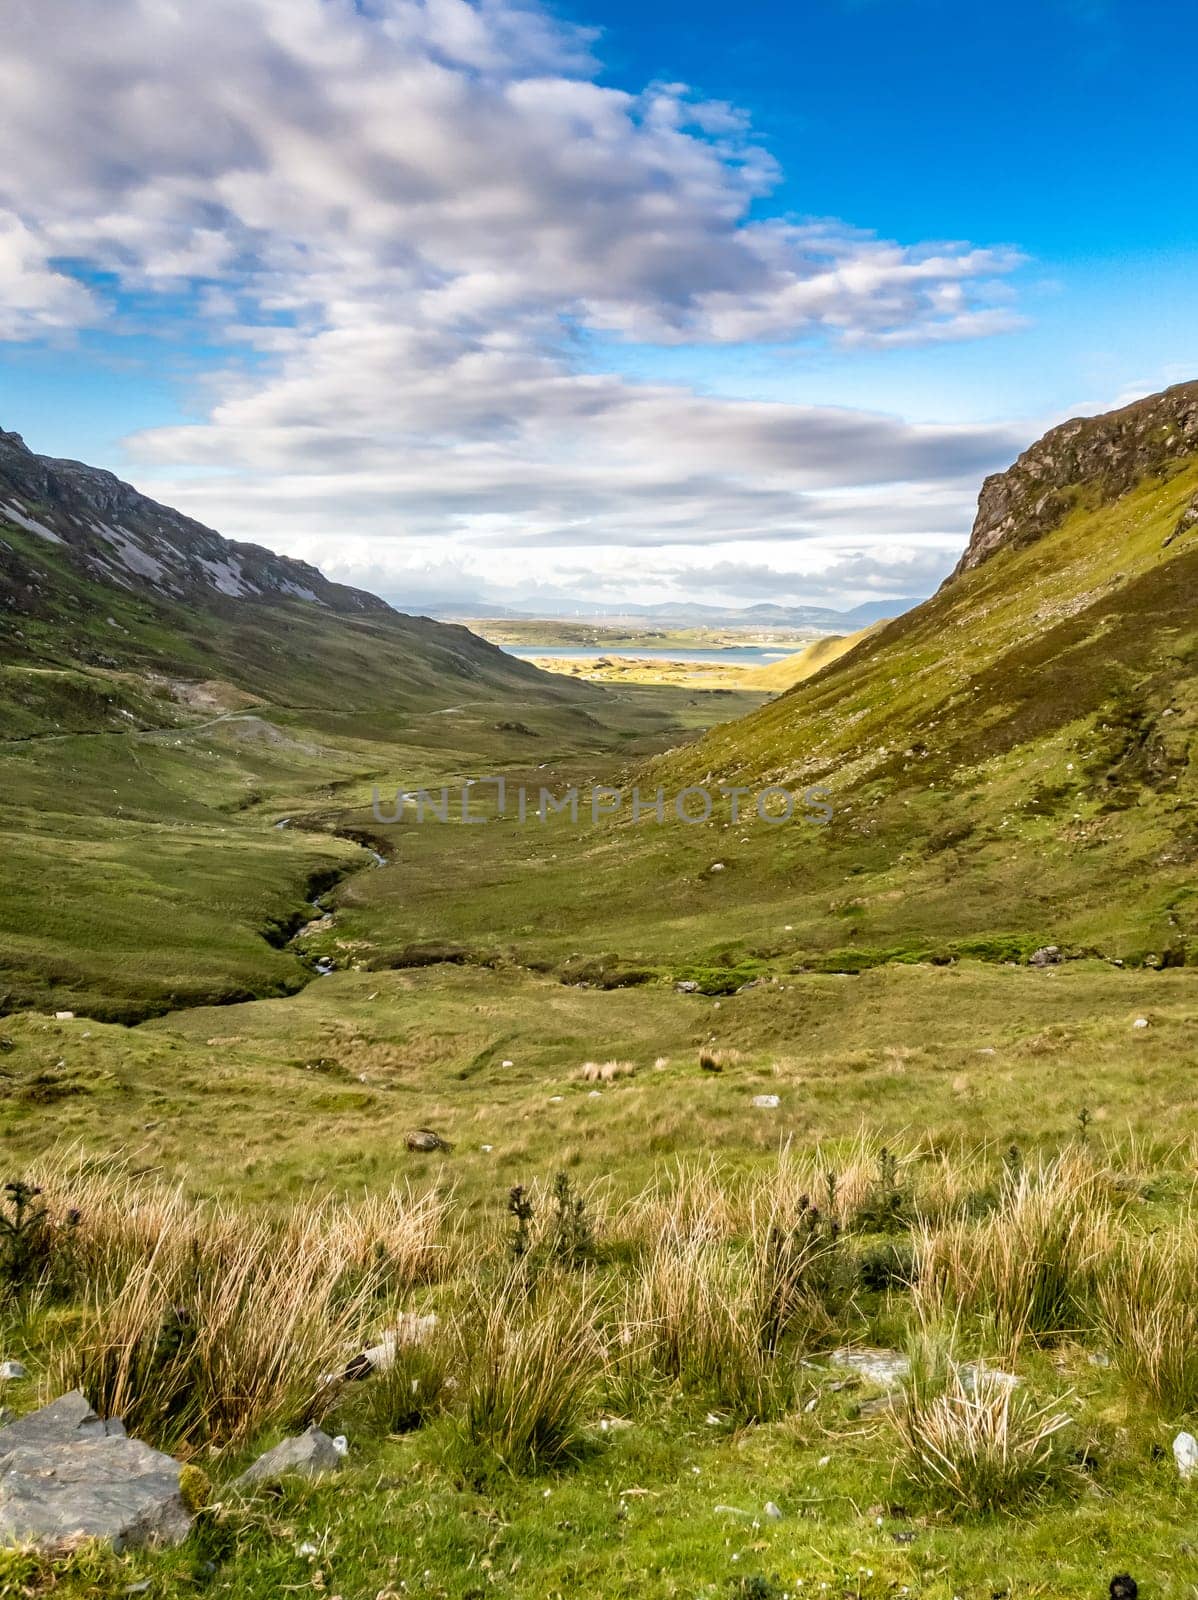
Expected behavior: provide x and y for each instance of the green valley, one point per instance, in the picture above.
(639, 1136)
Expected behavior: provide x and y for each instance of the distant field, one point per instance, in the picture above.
(602, 637)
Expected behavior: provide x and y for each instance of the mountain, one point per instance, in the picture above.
(1037, 717)
(97, 578)
(686, 613)
(168, 699)
(1089, 461)
(115, 535)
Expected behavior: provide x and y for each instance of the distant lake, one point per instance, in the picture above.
(749, 655)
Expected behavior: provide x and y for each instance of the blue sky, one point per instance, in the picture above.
(479, 301)
(1059, 126)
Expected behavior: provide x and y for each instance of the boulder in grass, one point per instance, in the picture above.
(411, 1329)
(426, 1141)
(888, 1369)
(66, 1475)
(1048, 955)
(308, 1455)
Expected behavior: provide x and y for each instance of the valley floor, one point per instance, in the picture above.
(985, 1144)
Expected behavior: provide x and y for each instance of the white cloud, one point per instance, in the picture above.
(36, 299)
(405, 209)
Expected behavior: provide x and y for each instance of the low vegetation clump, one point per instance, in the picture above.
(606, 1071)
(976, 1442)
(534, 1365)
(1148, 1306)
(940, 1334)
(1031, 1266)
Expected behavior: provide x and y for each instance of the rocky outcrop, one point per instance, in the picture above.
(1106, 456)
(67, 1475)
(1186, 523)
(118, 535)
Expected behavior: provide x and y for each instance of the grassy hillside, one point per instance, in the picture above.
(702, 1130)
(813, 658)
(154, 729)
(1011, 765)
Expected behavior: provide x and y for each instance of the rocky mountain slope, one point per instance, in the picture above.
(1089, 461)
(1058, 614)
(106, 594)
(117, 535)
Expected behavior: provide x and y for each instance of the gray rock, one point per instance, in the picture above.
(13, 1370)
(687, 986)
(1048, 955)
(889, 1369)
(975, 1372)
(65, 1421)
(308, 1455)
(65, 1474)
(409, 1330)
(1111, 452)
(426, 1140)
(1185, 1453)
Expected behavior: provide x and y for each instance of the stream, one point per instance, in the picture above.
(322, 966)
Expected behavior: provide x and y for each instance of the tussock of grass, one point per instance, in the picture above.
(606, 1071)
(1030, 1268)
(211, 1345)
(203, 1325)
(1148, 1305)
(978, 1444)
(728, 1321)
(534, 1366)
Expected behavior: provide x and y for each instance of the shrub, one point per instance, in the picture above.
(37, 1247)
(571, 1241)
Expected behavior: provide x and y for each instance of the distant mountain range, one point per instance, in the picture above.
(682, 613)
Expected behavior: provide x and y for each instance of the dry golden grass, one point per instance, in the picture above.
(605, 1071)
(203, 1324)
(977, 1443)
(213, 1343)
(534, 1363)
(728, 1318)
(1030, 1267)
(1148, 1305)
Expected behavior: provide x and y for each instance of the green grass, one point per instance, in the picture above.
(565, 1455)
(1008, 772)
(271, 1097)
(144, 809)
(999, 781)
